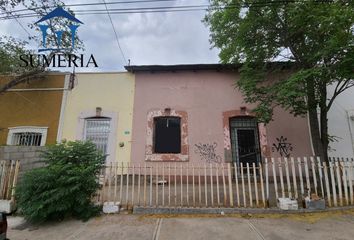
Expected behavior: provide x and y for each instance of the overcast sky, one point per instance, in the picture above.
(146, 38)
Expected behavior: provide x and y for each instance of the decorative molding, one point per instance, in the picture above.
(265, 151)
(22, 129)
(112, 139)
(149, 147)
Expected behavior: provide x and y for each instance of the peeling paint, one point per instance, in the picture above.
(149, 155)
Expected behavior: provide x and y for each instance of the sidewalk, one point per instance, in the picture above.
(130, 227)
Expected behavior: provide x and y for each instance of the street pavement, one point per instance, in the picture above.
(322, 226)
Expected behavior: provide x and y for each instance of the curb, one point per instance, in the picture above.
(179, 210)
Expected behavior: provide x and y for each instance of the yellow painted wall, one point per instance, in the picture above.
(32, 108)
(113, 92)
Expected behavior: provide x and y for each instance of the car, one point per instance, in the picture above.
(3, 226)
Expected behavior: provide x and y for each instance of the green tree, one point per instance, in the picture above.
(65, 186)
(308, 45)
(11, 49)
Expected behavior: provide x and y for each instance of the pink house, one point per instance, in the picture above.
(194, 113)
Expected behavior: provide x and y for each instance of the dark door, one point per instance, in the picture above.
(244, 140)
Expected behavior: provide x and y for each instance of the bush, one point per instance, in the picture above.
(65, 186)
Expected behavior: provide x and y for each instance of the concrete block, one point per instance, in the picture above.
(287, 204)
(315, 204)
(10, 149)
(16, 156)
(111, 207)
(6, 206)
(5, 156)
(29, 154)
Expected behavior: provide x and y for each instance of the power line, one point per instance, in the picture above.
(18, 21)
(186, 8)
(96, 4)
(115, 33)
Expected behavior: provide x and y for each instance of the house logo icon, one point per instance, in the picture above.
(58, 12)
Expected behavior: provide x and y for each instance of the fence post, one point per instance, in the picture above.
(331, 166)
(288, 177)
(139, 176)
(262, 186)
(339, 182)
(350, 170)
(314, 174)
(294, 177)
(300, 176)
(224, 184)
(243, 186)
(217, 185)
(211, 184)
(308, 185)
(281, 177)
(249, 184)
(328, 191)
(275, 179)
(237, 187)
(230, 185)
(267, 180)
(255, 183)
(345, 180)
(169, 184)
(320, 170)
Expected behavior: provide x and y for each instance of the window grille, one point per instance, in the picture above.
(97, 131)
(27, 136)
(27, 139)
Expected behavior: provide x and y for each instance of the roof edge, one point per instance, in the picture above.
(195, 67)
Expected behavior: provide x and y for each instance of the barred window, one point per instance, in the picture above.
(97, 130)
(27, 136)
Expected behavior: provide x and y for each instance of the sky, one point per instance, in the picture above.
(145, 38)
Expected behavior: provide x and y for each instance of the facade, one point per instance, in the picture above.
(194, 113)
(30, 112)
(100, 108)
(341, 124)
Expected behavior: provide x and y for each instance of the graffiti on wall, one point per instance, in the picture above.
(283, 147)
(207, 152)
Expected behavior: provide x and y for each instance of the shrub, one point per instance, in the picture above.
(65, 186)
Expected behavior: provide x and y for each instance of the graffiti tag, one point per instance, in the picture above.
(283, 147)
(207, 151)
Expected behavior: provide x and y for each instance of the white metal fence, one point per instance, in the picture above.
(228, 184)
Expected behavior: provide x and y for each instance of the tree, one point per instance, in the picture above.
(313, 42)
(11, 49)
(65, 186)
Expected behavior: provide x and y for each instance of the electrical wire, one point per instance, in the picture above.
(185, 8)
(116, 34)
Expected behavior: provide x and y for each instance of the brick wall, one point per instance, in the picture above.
(30, 157)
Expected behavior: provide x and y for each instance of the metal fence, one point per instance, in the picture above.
(154, 184)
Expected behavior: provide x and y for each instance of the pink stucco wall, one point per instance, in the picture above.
(205, 96)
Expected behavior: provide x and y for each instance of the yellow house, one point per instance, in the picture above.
(30, 112)
(100, 108)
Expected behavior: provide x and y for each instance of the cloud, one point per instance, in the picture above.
(146, 38)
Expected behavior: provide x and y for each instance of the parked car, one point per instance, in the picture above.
(3, 226)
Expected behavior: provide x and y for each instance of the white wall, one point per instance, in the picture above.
(341, 125)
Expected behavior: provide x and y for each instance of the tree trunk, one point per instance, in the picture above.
(315, 128)
(324, 121)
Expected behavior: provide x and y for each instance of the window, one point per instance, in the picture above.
(97, 130)
(167, 135)
(27, 136)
